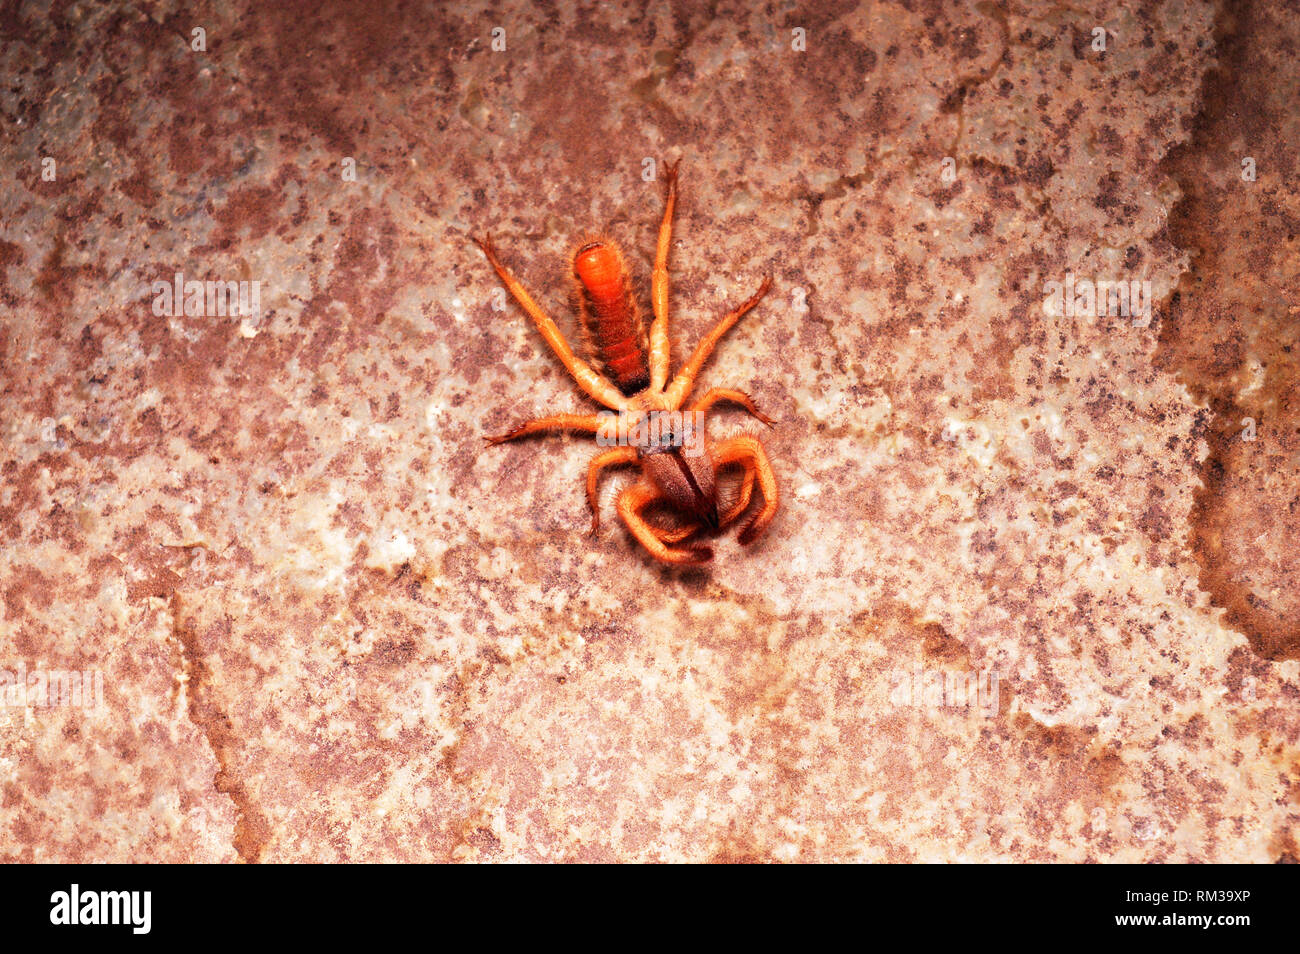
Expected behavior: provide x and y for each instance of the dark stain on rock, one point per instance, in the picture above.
(250, 213)
(252, 829)
(941, 646)
(1084, 768)
(11, 254)
(1230, 333)
(26, 585)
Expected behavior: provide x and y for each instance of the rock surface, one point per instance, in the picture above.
(331, 625)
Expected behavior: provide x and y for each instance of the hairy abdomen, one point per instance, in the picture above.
(611, 319)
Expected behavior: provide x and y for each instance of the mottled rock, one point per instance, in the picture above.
(1029, 596)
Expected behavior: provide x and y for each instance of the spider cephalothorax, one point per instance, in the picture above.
(679, 467)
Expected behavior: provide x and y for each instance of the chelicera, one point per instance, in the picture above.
(651, 428)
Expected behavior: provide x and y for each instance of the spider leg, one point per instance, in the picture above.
(674, 536)
(597, 385)
(714, 395)
(591, 423)
(749, 449)
(610, 458)
(630, 504)
(742, 501)
(681, 385)
(659, 342)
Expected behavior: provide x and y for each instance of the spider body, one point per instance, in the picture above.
(653, 429)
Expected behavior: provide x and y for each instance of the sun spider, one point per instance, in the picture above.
(635, 384)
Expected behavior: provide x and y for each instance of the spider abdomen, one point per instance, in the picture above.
(611, 318)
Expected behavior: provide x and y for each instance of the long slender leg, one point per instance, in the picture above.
(611, 458)
(660, 346)
(749, 449)
(630, 504)
(590, 423)
(714, 395)
(681, 385)
(597, 385)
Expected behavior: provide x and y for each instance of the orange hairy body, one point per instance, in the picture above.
(611, 318)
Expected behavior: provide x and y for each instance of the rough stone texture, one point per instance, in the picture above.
(333, 626)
